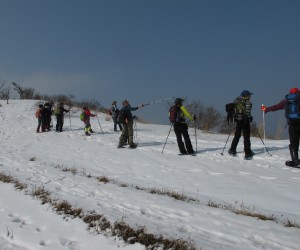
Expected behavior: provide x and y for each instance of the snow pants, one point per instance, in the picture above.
(181, 130)
(242, 126)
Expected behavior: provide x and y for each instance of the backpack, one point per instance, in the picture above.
(292, 108)
(122, 116)
(56, 111)
(174, 114)
(82, 116)
(38, 113)
(230, 109)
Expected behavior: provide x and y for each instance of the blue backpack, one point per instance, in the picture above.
(292, 108)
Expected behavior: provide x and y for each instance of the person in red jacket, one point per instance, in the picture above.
(86, 120)
(291, 104)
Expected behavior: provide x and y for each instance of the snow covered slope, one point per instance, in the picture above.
(63, 162)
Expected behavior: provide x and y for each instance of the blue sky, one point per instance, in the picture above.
(208, 50)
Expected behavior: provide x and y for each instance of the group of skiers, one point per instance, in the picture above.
(243, 118)
(44, 113)
(241, 115)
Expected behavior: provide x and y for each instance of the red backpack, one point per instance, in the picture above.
(174, 114)
(38, 113)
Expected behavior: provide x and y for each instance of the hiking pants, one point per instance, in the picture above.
(41, 124)
(294, 134)
(181, 129)
(127, 132)
(88, 126)
(242, 126)
(59, 123)
(116, 122)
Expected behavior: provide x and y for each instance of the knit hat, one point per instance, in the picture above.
(294, 90)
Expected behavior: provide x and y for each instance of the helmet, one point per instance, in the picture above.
(114, 102)
(178, 101)
(246, 93)
(294, 90)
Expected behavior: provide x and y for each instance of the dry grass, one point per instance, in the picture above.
(242, 210)
(103, 179)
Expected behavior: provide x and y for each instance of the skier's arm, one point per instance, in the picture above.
(278, 106)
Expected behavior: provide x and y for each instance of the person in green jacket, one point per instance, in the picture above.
(181, 128)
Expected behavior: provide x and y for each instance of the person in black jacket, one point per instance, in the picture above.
(115, 115)
(126, 118)
(243, 119)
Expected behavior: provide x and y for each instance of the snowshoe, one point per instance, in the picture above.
(294, 164)
(249, 156)
(133, 145)
(232, 152)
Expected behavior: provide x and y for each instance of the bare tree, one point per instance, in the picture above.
(207, 118)
(19, 89)
(5, 93)
(2, 84)
(28, 93)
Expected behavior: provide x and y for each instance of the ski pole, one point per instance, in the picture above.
(70, 119)
(135, 129)
(157, 101)
(167, 139)
(99, 123)
(226, 143)
(196, 133)
(263, 142)
(264, 124)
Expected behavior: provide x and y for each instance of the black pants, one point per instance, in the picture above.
(181, 129)
(59, 123)
(116, 122)
(242, 126)
(294, 134)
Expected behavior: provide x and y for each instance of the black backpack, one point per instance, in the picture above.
(230, 109)
(174, 114)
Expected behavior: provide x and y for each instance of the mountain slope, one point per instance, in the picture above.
(68, 164)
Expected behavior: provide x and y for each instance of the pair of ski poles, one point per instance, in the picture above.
(263, 141)
(170, 132)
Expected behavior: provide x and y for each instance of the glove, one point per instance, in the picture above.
(194, 118)
(263, 108)
(250, 119)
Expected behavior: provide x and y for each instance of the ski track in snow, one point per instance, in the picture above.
(203, 177)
